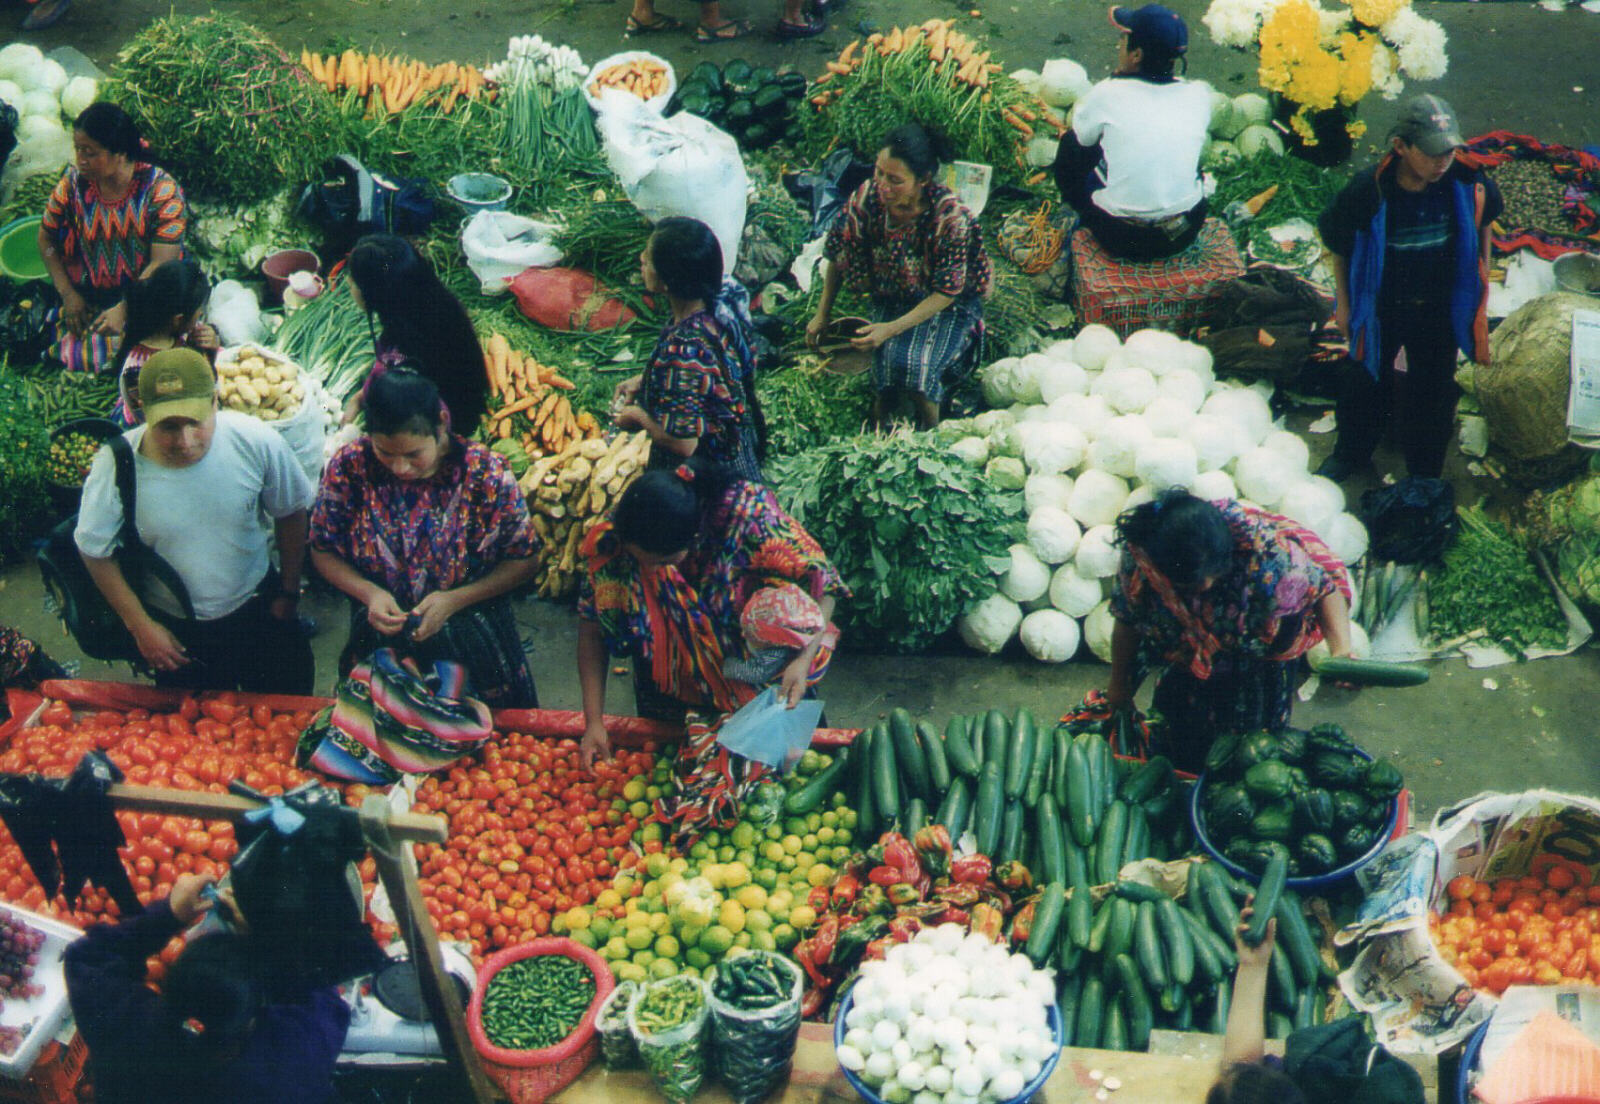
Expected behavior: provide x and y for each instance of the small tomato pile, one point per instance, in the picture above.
(1540, 929)
(203, 745)
(533, 832)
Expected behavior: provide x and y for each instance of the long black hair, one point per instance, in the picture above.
(421, 318)
(113, 130)
(661, 510)
(1251, 1083)
(176, 288)
(402, 400)
(688, 258)
(213, 996)
(920, 149)
(1186, 538)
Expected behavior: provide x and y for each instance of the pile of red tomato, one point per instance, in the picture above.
(1540, 929)
(533, 832)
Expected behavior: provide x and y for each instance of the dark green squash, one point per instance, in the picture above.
(1357, 840)
(1382, 781)
(1313, 810)
(1316, 853)
(1219, 760)
(1292, 745)
(1327, 737)
(1229, 810)
(1337, 770)
(1268, 780)
(1254, 747)
(1349, 808)
(1274, 821)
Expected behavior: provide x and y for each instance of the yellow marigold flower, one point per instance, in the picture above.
(1375, 13)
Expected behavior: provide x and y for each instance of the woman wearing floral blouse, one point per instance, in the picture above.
(1226, 596)
(427, 533)
(917, 253)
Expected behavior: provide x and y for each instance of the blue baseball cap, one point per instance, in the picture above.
(1154, 28)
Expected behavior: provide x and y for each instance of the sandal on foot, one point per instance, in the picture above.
(657, 25)
(807, 28)
(726, 32)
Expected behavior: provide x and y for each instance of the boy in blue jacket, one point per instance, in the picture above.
(1409, 243)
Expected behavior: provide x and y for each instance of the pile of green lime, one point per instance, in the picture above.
(71, 454)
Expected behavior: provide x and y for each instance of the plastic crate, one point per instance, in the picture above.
(1169, 294)
(54, 1077)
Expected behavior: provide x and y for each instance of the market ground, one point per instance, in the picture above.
(1513, 66)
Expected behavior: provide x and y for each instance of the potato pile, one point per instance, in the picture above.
(571, 491)
(261, 384)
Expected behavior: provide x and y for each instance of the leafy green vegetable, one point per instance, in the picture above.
(1488, 583)
(24, 454)
(1303, 191)
(806, 406)
(916, 534)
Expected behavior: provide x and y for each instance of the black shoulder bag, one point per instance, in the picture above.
(88, 616)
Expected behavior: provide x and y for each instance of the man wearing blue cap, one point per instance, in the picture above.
(1130, 164)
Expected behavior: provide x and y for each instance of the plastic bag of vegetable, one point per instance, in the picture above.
(755, 1023)
(617, 1048)
(667, 1022)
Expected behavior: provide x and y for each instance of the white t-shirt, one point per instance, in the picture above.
(1151, 134)
(211, 520)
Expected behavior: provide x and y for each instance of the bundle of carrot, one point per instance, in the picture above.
(391, 85)
(938, 76)
(569, 493)
(643, 77)
(528, 404)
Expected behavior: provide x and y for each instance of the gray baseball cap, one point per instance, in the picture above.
(1428, 123)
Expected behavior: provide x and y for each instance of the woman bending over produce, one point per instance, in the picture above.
(1227, 596)
(113, 218)
(421, 322)
(697, 397)
(909, 245)
(163, 313)
(667, 579)
(427, 533)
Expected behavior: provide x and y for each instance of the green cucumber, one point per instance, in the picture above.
(1136, 845)
(1103, 768)
(1147, 780)
(1046, 919)
(988, 812)
(1011, 841)
(1294, 936)
(1120, 932)
(1059, 752)
(956, 808)
(1080, 915)
(1091, 1012)
(1147, 947)
(885, 778)
(1047, 833)
(1077, 860)
(1173, 998)
(1306, 1010)
(1019, 755)
(819, 786)
(866, 808)
(1371, 672)
(1285, 992)
(1068, 993)
(958, 748)
(1219, 1010)
(1039, 771)
(1216, 900)
(1221, 949)
(1267, 894)
(1183, 1019)
(1108, 847)
(975, 738)
(1101, 927)
(1206, 964)
(907, 754)
(913, 818)
(996, 740)
(1176, 939)
(938, 763)
(1081, 808)
(1279, 1026)
(1114, 1036)
(1138, 891)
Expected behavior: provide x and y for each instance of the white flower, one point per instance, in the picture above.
(1236, 22)
(1420, 44)
(1334, 23)
(1385, 73)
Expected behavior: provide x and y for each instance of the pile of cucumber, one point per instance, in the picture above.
(758, 106)
(1049, 797)
(1140, 960)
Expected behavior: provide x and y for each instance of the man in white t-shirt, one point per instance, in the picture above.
(1130, 164)
(209, 488)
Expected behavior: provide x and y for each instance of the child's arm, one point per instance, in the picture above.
(1247, 1027)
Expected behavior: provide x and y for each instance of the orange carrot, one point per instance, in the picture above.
(844, 56)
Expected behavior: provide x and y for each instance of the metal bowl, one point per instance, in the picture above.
(1578, 272)
(839, 356)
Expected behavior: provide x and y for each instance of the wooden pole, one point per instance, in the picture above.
(388, 835)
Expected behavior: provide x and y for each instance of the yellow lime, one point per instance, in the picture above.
(660, 922)
(803, 861)
(700, 851)
(578, 918)
(757, 920)
(830, 819)
(792, 845)
(752, 897)
(743, 835)
(636, 919)
(663, 968)
(585, 937)
(785, 937)
(651, 793)
(765, 877)
(657, 864)
(696, 959)
(772, 851)
(820, 874)
(825, 834)
(678, 865)
(716, 941)
(813, 821)
(727, 853)
(666, 946)
(802, 916)
(795, 826)
(601, 926)
(607, 899)
(644, 958)
(731, 916)
(634, 790)
(736, 874)
(616, 947)
(652, 833)
(743, 940)
(763, 941)
(639, 938)
(558, 924)
(623, 885)
(629, 971)
(639, 809)
(774, 832)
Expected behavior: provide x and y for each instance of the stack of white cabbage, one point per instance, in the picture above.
(46, 101)
(1241, 128)
(1091, 427)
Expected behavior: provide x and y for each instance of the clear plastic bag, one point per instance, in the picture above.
(753, 1048)
(617, 1049)
(674, 1055)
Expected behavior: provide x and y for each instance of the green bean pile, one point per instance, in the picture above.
(536, 1002)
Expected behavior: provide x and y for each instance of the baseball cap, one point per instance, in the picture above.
(176, 383)
(1428, 123)
(1152, 27)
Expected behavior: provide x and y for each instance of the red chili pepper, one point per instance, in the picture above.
(1022, 923)
(934, 849)
(811, 1003)
(971, 869)
(805, 953)
(902, 928)
(878, 948)
(819, 899)
(959, 894)
(953, 915)
(825, 939)
(1013, 875)
(844, 892)
(903, 894)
